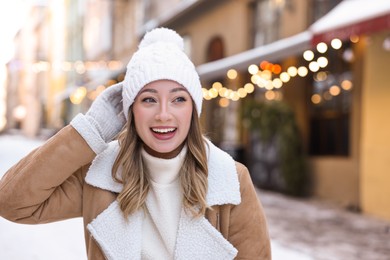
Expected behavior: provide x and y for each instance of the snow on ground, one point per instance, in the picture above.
(62, 240)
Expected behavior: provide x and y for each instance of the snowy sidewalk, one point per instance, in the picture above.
(65, 240)
(324, 231)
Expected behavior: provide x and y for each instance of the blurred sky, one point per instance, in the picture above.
(12, 17)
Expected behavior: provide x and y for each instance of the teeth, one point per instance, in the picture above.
(163, 130)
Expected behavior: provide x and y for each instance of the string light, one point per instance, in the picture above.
(261, 77)
(336, 44)
(322, 47)
(270, 76)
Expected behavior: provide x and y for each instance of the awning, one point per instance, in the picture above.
(352, 17)
(277, 50)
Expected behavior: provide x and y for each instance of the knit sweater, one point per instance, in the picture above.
(163, 204)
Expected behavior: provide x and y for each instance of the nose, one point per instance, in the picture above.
(163, 114)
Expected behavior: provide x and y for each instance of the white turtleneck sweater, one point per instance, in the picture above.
(163, 204)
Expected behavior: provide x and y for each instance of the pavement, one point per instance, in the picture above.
(300, 229)
(324, 231)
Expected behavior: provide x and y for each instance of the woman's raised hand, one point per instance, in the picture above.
(103, 120)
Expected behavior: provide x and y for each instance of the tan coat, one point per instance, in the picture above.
(50, 184)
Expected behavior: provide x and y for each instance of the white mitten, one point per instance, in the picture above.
(103, 120)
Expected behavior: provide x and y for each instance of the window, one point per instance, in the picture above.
(215, 50)
(330, 105)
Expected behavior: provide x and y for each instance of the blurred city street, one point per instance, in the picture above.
(300, 229)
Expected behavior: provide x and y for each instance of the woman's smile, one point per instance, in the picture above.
(163, 133)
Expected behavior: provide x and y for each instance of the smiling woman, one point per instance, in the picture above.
(138, 169)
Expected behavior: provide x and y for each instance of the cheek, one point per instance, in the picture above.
(186, 118)
(139, 118)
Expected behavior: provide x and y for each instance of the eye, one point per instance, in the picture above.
(149, 100)
(180, 99)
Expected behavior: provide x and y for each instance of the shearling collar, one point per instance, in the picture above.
(223, 188)
(121, 238)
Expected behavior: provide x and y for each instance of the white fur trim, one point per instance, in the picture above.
(198, 239)
(224, 187)
(119, 238)
(223, 184)
(99, 174)
(87, 131)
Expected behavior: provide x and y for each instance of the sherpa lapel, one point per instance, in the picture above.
(119, 238)
(196, 237)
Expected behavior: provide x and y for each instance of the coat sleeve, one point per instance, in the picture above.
(46, 185)
(248, 230)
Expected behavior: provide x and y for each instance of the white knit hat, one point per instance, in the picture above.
(160, 55)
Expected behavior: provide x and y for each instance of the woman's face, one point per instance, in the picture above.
(162, 116)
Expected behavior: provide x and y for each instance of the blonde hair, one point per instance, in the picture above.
(129, 170)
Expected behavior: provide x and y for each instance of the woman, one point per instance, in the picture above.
(161, 190)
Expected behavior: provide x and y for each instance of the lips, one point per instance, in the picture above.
(163, 133)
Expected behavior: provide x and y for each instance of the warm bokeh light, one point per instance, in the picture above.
(79, 67)
(206, 95)
(249, 88)
(232, 74)
(115, 65)
(354, 38)
(224, 102)
(322, 62)
(336, 44)
(234, 96)
(217, 85)
(253, 69)
(270, 95)
(263, 64)
(222, 92)
(285, 77)
(78, 95)
(269, 85)
(19, 112)
(308, 55)
(266, 74)
(241, 92)
(276, 68)
(302, 71)
(262, 82)
(321, 76)
(213, 93)
(313, 66)
(346, 85)
(334, 90)
(277, 83)
(292, 71)
(255, 79)
(322, 47)
(316, 99)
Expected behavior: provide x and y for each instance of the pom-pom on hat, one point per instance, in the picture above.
(160, 56)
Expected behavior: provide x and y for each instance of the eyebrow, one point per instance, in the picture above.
(155, 91)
